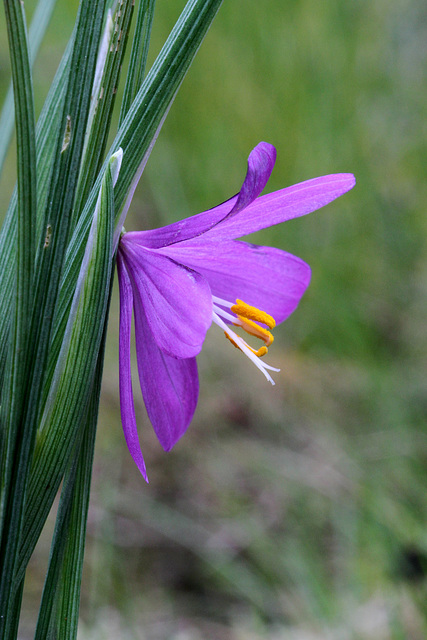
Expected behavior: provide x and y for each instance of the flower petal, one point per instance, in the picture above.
(283, 205)
(176, 300)
(260, 165)
(127, 408)
(264, 277)
(170, 386)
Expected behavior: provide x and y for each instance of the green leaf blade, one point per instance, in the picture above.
(39, 24)
(60, 195)
(45, 146)
(104, 100)
(18, 450)
(138, 56)
(71, 387)
(59, 610)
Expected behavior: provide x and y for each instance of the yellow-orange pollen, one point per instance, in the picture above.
(248, 317)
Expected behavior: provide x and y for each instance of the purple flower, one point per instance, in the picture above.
(182, 277)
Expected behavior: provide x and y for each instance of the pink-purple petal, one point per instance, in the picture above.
(127, 408)
(268, 278)
(169, 276)
(260, 165)
(170, 386)
(176, 299)
(183, 229)
(280, 206)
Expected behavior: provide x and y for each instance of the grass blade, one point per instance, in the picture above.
(45, 145)
(59, 610)
(138, 55)
(68, 613)
(105, 100)
(60, 200)
(38, 27)
(13, 396)
(49, 601)
(48, 269)
(71, 388)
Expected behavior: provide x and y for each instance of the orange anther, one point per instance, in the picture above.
(255, 330)
(253, 313)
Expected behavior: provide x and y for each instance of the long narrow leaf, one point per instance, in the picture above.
(62, 529)
(38, 27)
(138, 55)
(45, 142)
(58, 615)
(18, 450)
(47, 274)
(63, 182)
(67, 613)
(141, 125)
(73, 380)
(104, 104)
(58, 213)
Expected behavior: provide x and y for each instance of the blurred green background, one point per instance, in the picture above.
(296, 512)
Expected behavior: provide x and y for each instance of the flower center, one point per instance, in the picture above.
(248, 318)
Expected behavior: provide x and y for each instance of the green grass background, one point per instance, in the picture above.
(297, 511)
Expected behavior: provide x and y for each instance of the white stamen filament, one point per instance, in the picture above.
(224, 314)
(218, 314)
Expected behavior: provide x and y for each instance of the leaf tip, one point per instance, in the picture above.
(115, 165)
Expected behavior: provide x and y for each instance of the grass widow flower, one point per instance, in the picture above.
(180, 278)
